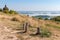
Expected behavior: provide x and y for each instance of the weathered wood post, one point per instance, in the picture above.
(38, 31)
(26, 27)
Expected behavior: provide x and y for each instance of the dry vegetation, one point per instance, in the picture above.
(12, 25)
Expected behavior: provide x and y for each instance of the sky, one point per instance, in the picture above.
(31, 5)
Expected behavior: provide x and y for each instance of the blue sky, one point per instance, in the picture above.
(32, 5)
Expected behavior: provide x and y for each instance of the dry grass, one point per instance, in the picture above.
(5, 20)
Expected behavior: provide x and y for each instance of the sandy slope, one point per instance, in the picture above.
(5, 33)
(8, 32)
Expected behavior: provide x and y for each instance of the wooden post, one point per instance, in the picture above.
(38, 31)
(25, 27)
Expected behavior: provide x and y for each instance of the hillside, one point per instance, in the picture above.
(11, 25)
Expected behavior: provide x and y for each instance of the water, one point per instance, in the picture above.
(36, 13)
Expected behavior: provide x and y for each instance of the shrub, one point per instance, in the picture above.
(14, 19)
(45, 33)
(56, 18)
(15, 12)
(12, 12)
(5, 11)
(0, 10)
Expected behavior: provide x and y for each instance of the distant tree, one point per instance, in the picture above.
(6, 9)
(40, 18)
(46, 18)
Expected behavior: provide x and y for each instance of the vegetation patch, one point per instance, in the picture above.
(7, 11)
(56, 18)
(49, 25)
(45, 33)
